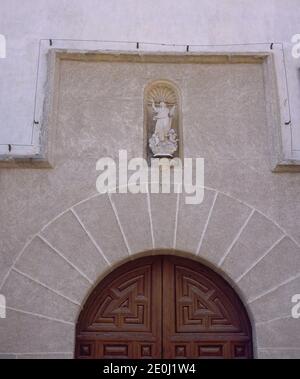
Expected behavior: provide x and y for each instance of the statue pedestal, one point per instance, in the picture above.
(166, 148)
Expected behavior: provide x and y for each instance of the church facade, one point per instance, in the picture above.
(100, 258)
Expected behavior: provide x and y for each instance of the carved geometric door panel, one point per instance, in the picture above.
(163, 307)
(122, 317)
(205, 317)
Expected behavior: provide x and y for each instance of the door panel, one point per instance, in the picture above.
(163, 307)
(204, 317)
(123, 314)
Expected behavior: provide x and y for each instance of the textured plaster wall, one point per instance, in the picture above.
(58, 237)
(188, 21)
(54, 246)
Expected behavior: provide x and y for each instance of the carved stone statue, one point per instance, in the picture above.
(163, 142)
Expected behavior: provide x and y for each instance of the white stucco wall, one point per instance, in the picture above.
(203, 22)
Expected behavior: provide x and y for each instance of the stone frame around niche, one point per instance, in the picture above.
(278, 132)
(149, 125)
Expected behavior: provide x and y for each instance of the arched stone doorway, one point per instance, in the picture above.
(50, 279)
(163, 306)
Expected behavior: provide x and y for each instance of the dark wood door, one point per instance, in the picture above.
(163, 307)
(204, 318)
(123, 316)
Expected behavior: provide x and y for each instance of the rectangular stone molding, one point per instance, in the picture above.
(63, 64)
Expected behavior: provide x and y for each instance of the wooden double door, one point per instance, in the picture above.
(163, 307)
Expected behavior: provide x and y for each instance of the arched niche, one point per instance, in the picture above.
(167, 92)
